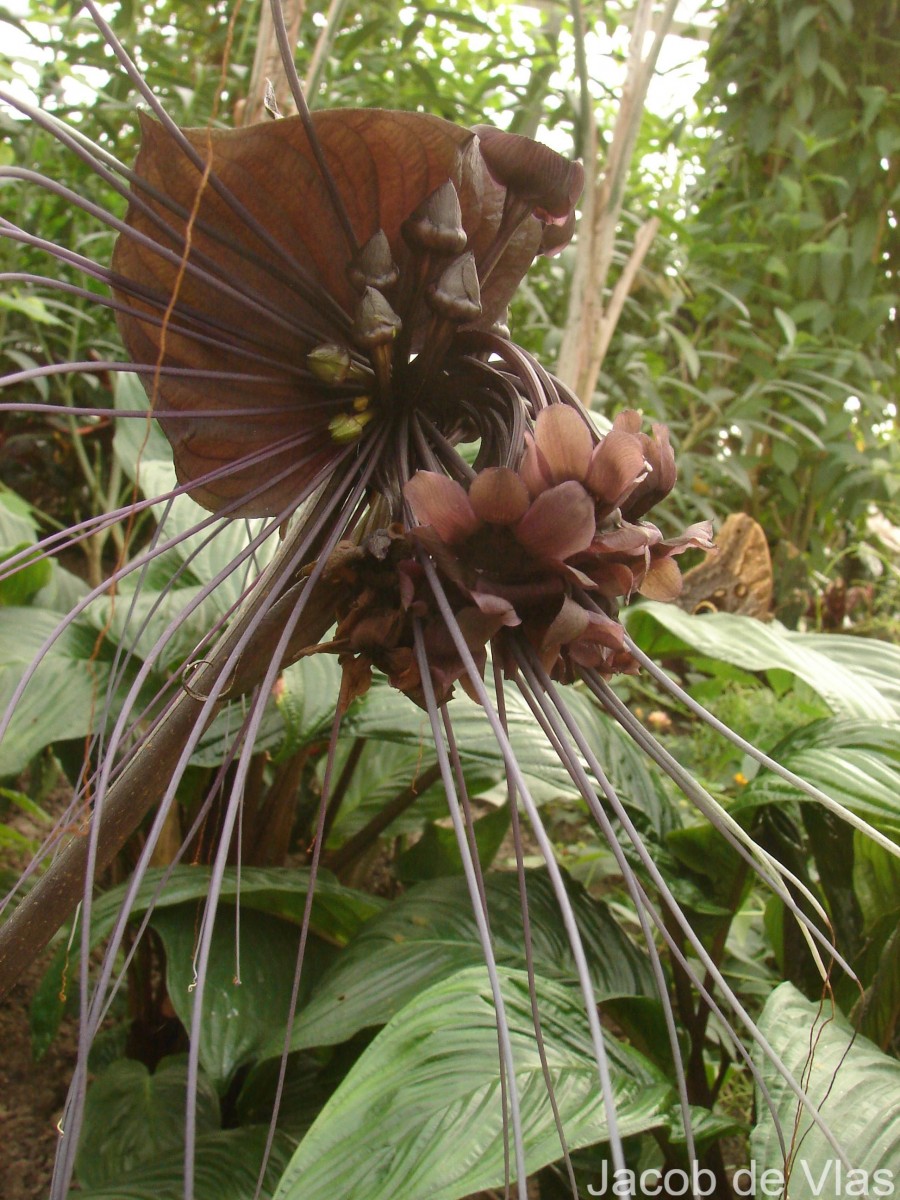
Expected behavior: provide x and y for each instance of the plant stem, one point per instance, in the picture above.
(360, 842)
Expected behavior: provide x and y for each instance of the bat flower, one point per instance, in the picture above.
(312, 305)
(290, 290)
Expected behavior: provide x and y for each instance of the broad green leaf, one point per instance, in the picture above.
(430, 933)
(436, 853)
(388, 715)
(337, 913)
(137, 619)
(32, 307)
(420, 1115)
(876, 877)
(226, 1167)
(67, 695)
(138, 440)
(217, 741)
(306, 700)
(17, 522)
(854, 1085)
(27, 579)
(386, 769)
(304, 1090)
(248, 981)
(856, 677)
(864, 782)
(880, 1007)
(146, 457)
(132, 1119)
(876, 664)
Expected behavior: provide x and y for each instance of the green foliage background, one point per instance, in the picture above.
(762, 329)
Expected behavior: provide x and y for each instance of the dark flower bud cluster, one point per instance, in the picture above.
(549, 549)
(554, 546)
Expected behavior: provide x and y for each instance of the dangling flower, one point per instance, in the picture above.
(550, 548)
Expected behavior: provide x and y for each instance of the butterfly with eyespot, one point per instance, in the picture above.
(736, 577)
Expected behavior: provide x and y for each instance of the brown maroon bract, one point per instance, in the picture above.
(239, 273)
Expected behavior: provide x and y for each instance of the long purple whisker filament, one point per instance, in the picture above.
(318, 841)
(194, 830)
(135, 414)
(219, 335)
(515, 825)
(54, 542)
(95, 366)
(287, 61)
(268, 312)
(477, 906)
(533, 699)
(265, 685)
(643, 907)
(469, 823)
(82, 604)
(758, 755)
(546, 846)
(100, 163)
(240, 211)
(88, 1025)
(293, 553)
(770, 871)
(672, 905)
(103, 994)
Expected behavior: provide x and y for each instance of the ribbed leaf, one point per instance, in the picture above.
(862, 781)
(420, 1113)
(66, 697)
(384, 770)
(437, 853)
(337, 913)
(389, 716)
(430, 933)
(861, 1085)
(854, 676)
(132, 1119)
(247, 986)
(226, 1167)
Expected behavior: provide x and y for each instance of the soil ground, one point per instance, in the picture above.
(31, 1095)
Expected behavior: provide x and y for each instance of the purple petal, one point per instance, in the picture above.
(626, 539)
(564, 438)
(617, 464)
(661, 478)
(695, 537)
(499, 496)
(627, 421)
(559, 523)
(662, 581)
(533, 469)
(569, 624)
(493, 605)
(443, 504)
